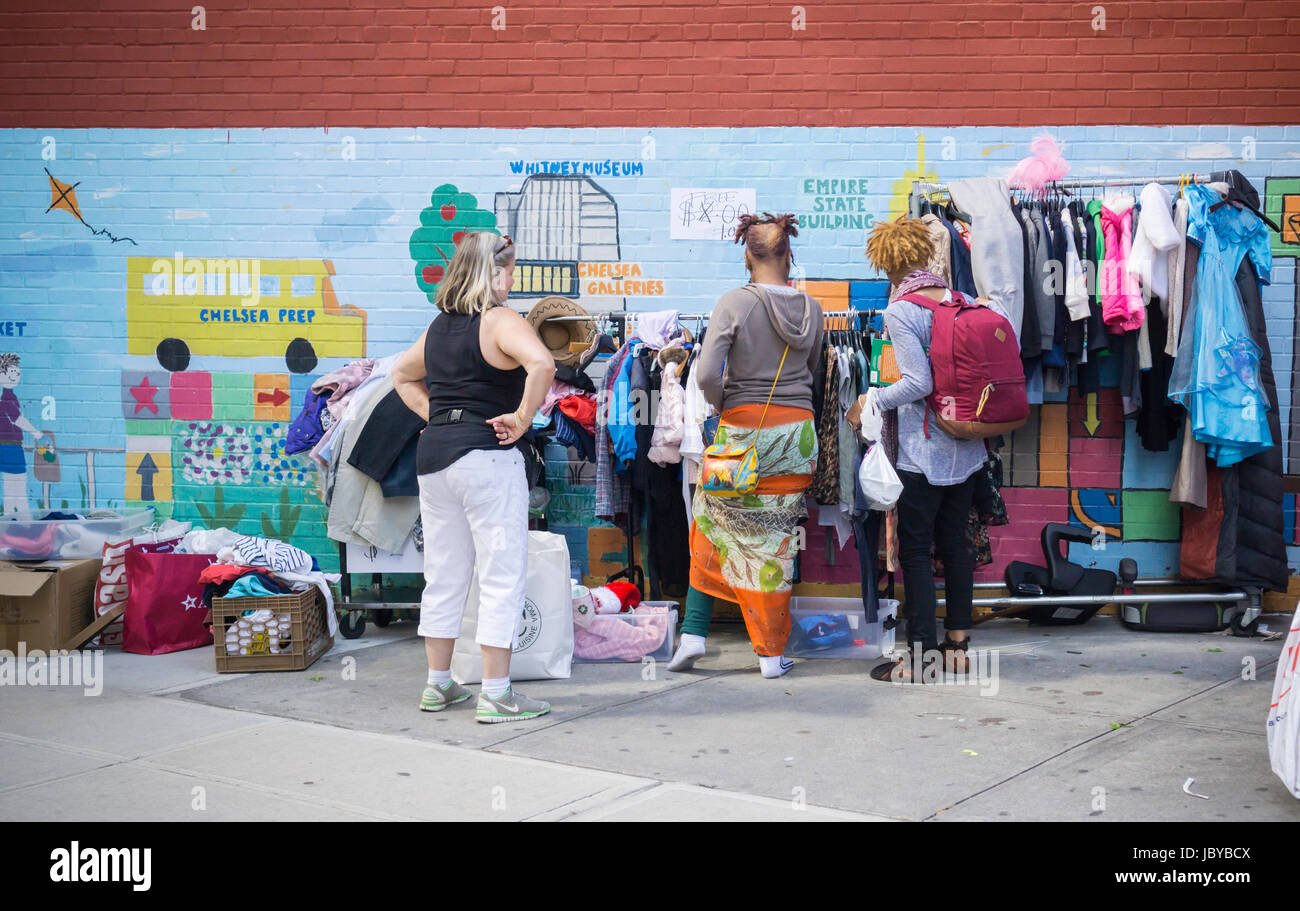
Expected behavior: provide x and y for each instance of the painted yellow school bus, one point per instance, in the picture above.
(239, 308)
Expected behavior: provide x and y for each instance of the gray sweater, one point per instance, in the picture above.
(748, 332)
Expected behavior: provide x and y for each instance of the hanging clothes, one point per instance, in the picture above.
(941, 260)
(1177, 279)
(1217, 373)
(1190, 484)
(996, 243)
(1154, 241)
(1238, 539)
(826, 476)
(1158, 419)
(612, 492)
(960, 258)
(1030, 343)
(1121, 301)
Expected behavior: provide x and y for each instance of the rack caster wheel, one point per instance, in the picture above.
(352, 624)
(382, 617)
(1245, 631)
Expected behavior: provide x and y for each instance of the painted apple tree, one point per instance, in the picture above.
(451, 214)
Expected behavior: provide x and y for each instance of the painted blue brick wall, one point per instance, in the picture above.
(353, 196)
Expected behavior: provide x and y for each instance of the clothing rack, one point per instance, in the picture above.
(633, 572)
(620, 317)
(922, 187)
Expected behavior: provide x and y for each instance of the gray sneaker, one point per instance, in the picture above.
(511, 706)
(436, 699)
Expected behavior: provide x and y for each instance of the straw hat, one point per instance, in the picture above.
(559, 336)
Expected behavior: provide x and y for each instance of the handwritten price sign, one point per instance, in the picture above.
(708, 214)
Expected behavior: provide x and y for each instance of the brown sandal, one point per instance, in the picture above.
(892, 671)
(954, 655)
(885, 671)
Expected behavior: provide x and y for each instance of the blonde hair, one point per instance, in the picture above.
(900, 246)
(467, 286)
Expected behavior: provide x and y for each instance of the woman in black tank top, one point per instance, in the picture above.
(477, 375)
(460, 380)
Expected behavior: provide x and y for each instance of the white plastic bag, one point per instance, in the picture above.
(1284, 713)
(880, 483)
(872, 418)
(544, 635)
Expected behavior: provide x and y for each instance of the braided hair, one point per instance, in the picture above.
(767, 243)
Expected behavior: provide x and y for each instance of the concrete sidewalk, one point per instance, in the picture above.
(1087, 723)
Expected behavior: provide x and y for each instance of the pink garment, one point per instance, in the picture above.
(666, 440)
(342, 381)
(557, 391)
(1121, 300)
(38, 546)
(607, 636)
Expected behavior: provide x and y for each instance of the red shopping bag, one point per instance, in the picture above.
(112, 588)
(164, 609)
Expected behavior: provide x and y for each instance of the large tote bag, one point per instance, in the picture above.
(544, 635)
(1284, 713)
(164, 608)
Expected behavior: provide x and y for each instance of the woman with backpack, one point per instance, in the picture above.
(937, 467)
(756, 368)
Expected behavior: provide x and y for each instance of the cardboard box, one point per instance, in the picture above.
(45, 604)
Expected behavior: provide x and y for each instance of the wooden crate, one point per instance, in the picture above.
(302, 614)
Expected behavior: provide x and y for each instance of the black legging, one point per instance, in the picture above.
(929, 514)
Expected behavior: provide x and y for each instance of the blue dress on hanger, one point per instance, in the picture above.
(1216, 373)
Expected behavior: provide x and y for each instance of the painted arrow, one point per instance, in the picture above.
(276, 397)
(1092, 422)
(146, 471)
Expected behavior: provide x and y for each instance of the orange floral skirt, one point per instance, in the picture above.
(742, 548)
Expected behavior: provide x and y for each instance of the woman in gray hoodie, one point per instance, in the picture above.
(756, 368)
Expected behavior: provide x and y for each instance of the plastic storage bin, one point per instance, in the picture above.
(595, 645)
(69, 539)
(843, 633)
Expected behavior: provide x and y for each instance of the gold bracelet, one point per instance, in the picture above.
(520, 421)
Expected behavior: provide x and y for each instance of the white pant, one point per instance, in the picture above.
(475, 517)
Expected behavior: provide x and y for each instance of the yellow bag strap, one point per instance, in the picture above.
(772, 391)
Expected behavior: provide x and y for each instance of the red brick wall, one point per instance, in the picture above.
(139, 63)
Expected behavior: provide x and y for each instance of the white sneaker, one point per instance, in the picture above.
(689, 650)
(774, 666)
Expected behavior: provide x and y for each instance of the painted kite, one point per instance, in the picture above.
(64, 196)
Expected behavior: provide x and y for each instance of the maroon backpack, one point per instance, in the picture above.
(979, 381)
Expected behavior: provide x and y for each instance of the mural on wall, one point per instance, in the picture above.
(191, 368)
(63, 196)
(176, 307)
(450, 214)
(1282, 204)
(13, 460)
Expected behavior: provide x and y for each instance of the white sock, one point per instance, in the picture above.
(774, 665)
(689, 648)
(440, 679)
(495, 687)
